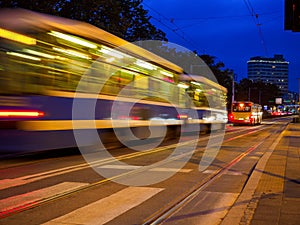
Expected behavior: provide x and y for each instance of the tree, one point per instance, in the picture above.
(48, 7)
(124, 18)
(257, 91)
(223, 75)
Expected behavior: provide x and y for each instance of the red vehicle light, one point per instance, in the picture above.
(182, 116)
(20, 114)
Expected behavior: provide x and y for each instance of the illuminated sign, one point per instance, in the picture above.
(278, 101)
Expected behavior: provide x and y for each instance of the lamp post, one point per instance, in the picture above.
(299, 98)
(232, 97)
(249, 89)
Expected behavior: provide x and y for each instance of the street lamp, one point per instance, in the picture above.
(249, 89)
(232, 97)
(299, 97)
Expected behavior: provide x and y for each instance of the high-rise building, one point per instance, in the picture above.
(270, 70)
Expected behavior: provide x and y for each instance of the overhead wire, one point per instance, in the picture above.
(206, 19)
(255, 17)
(174, 30)
(223, 17)
(178, 30)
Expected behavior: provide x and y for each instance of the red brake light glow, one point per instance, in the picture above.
(20, 114)
(182, 116)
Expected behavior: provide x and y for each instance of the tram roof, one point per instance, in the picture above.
(201, 79)
(20, 19)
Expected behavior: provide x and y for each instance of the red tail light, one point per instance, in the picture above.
(182, 116)
(20, 114)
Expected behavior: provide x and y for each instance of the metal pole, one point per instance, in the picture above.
(298, 91)
(249, 94)
(299, 98)
(232, 97)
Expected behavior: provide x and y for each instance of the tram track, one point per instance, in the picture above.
(179, 203)
(176, 205)
(34, 177)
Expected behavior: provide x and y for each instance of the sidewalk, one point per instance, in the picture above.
(279, 187)
(272, 195)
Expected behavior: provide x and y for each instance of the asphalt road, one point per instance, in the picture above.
(178, 183)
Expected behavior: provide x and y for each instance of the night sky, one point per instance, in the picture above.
(231, 30)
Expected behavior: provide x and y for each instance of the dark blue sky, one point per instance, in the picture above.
(227, 30)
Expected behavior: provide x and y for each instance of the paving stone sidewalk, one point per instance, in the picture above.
(278, 190)
(272, 194)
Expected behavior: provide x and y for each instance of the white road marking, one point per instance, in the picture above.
(30, 197)
(8, 183)
(106, 209)
(120, 167)
(228, 172)
(209, 171)
(171, 170)
(132, 167)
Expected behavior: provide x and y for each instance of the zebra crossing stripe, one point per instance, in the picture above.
(228, 172)
(171, 170)
(131, 167)
(120, 167)
(7, 183)
(106, 209)
(27, 198)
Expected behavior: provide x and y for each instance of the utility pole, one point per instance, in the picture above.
(298, 91)
(249, 89)
(299, 99)
(232, 96)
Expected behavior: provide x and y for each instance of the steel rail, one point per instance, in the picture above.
(166, 212)
(37, 203)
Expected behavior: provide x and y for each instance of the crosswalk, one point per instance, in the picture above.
(156, 169)
(98, 212)
(20, 201)
(17, 201)
(106, 209)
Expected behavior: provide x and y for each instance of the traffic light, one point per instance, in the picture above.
(292, 15)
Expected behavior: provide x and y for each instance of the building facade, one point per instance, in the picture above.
(270, 70)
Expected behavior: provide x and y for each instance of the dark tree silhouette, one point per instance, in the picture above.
(124, 18)
(258, 92)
